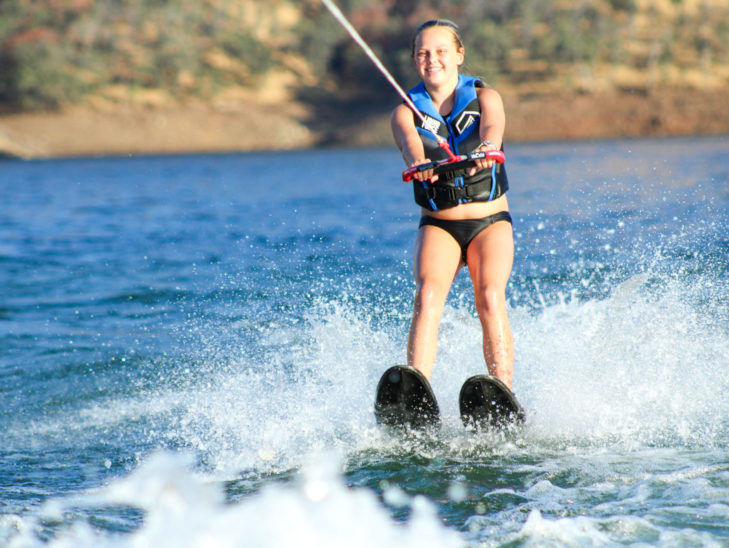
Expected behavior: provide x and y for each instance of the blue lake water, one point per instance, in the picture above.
(189, 348)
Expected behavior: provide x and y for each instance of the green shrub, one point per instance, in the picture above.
(43, 78)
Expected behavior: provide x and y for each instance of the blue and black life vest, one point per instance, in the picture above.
(461, 129)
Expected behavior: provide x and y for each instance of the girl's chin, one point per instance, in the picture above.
(436, 78)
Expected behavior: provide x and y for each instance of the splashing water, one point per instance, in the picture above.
(220, 392)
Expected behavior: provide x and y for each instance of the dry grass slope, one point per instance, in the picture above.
(81, 77)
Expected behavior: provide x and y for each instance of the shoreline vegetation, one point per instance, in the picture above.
(81, 78)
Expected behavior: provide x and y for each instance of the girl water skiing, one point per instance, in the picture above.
(465, 216)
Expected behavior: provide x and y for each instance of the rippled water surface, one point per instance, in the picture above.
(190, 345)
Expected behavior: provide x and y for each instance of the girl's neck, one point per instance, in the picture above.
(443, 97)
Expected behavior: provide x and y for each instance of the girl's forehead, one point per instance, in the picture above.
(435, 36)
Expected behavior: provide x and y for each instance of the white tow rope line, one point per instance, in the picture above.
(339, 16)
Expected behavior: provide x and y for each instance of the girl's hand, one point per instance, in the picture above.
(483, 163)
(426, 175)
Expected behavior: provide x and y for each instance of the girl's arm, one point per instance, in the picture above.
(409, 142)
(493, 123)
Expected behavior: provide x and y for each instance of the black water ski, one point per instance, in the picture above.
(485, 401)
(405, 400)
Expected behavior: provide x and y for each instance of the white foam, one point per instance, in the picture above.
(639, 366)
(184, 510)
(577, 531)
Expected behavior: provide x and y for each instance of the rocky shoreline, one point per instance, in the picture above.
(247, 126)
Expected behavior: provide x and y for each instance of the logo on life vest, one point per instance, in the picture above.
(431, 124)
(465, 120)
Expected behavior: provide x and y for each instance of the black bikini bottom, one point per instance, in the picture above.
(465, 230)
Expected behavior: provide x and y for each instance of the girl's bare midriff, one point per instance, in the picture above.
(473, 210)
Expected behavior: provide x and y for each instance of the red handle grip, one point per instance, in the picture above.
(458, 162)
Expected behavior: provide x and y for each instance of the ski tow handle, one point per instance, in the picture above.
(462, 161)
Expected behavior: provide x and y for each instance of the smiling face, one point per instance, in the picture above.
(437, 55)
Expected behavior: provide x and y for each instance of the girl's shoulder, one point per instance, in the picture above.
(402, 116)
(488, 93)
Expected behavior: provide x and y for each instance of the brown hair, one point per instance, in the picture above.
(450, 25)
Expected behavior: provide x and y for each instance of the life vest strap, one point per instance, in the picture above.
(442, 196)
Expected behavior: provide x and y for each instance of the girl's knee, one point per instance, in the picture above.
(490, 301)
(431, 292)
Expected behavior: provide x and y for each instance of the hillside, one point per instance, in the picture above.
(135, 76)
